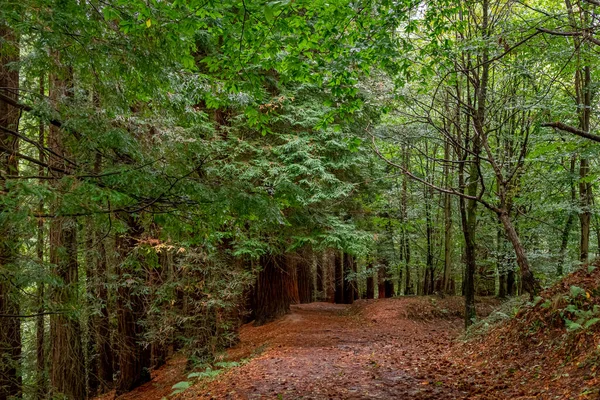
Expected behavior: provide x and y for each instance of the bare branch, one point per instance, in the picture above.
(586, 34)
(571, 129)
(429, 184)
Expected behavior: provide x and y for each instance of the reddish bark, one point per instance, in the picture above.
(10, 327)
(381, 282)
(271, 300)
(67, 376)
(291, 282)
(370, 282)
(304, 279)
(339, 278)
(134, 357)
(349, 284)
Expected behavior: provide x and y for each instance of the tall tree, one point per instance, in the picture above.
(10, 324)
(134, 355)
(67, 376)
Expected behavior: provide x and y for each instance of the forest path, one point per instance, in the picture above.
(372, 350)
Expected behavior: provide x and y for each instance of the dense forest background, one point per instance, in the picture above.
(172, 169)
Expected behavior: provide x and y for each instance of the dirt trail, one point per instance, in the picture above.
(374, 350)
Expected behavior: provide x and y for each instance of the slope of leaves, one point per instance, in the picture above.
(548, 350)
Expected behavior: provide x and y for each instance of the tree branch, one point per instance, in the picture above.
(594, 2)
(31, 315)
(583, 33)
(431, 185)
(571, 129)
(27, 108)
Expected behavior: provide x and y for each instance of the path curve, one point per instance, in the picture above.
(372, 350)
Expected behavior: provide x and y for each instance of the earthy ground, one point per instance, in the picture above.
(377, 349)
(405, 348)
(329, 351)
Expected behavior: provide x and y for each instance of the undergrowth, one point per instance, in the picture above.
(207, 372)
(507, 310)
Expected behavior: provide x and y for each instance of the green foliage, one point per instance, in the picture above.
(180, 387)
(227, 130)
(578, 313)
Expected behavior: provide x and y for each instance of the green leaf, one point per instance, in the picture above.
(182, 385)
(576, 291)
(572, 326)
(269, 12)
(591, 322)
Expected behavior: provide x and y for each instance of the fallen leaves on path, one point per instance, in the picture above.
(403, 348)
(378, 349)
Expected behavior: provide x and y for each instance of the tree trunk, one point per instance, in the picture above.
(102, 322)
(564, 243)
(304, 278)
(134, 357)
(321, 276)
(91, 279)
(270, 299)
(10, 327)
(447, 225)
(67, 376)
(502, 286)
(381, 282)
(68, 366)
(41, 384)
(291, 289)
(158, 352)
(389, 286)
(349, 284)
(370, 282)
(500, 266)
(585, 214)
(329, 273)
(469, 225)
(428, 284)
(530, 284)
(408, 289)
(339, 278)
(510, 283)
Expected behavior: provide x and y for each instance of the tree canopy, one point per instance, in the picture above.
(171, 169)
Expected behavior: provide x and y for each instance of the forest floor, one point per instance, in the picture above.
(402, 348)
(376, 349)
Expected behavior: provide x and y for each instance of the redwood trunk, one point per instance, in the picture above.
(68, 366)
(291, 281)
(370, 282)
(339, 278)
(304, 280)
(349, 284)
(10, 327)
(321, 276)
(41, 389)
(134, 357)
(67, 376)
(270, 298)
(102, 329)
(381, 282)
(388, 283)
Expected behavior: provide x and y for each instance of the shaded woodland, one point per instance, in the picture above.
(172, 170)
